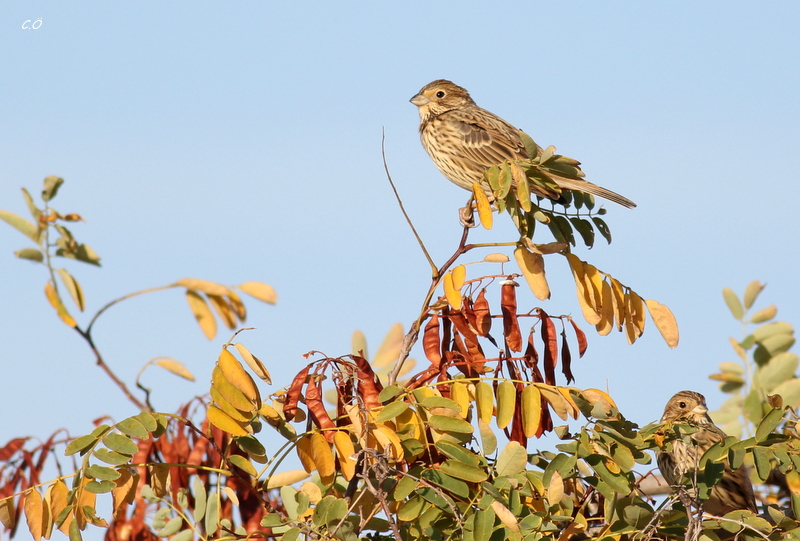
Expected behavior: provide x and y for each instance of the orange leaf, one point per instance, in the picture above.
(508, 305)
(431, 342)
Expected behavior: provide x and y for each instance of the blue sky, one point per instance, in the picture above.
(243, 142)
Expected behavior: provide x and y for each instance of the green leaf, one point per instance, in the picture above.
(751, 293)
(148, 421)
(442, 423)
(20, 224)
(391, 411)
(212, 513)
(602, 227)
(133, 428)
(769, 423)
(412, 509)
(512, 460)
(81, 444)
(761, 458)
(450, 484)
(100, 487)
(488, 439)
(120, 443)
(780, 368)
(484, 523)
(243, 464)
(790, 391)
(733, 302)
(199, 491)
(31, 254)
(105, 473)
(51, 185)
(771, 329)
(389, 392)
(459, 470)
(584, 229)
(458, 452)
(440, 402)
(112, 457)
(188, 535)
(172, 527)
(405, 486)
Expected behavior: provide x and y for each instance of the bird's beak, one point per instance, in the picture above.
(700, 410)
(419, 100)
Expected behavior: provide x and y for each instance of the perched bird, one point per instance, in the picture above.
(734, 491)
(464, 140)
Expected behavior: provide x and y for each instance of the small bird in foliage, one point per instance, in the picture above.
(734, 490)
(464, 140)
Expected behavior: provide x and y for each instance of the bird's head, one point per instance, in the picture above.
(687, 406)
(439, 97)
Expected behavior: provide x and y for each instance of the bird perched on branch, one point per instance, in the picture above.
(734, 491)
(464, 140)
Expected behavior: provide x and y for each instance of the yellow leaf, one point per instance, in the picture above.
(532, 267)
(573, 407)
(236, 305)
(312, 490)
(484, 400)
(345, 451)
(584, 297)
(531, 410)
(388, 438)
(496, 258)
(209, 288)
(34, 513)
(231, 494)
(222, 403)
(55, 301)
(665, 322)
(593, 396)
(260, 291)
(322, 455)
(202, 313)
(304, 453)
(176, 367)
(231, 394)
(606, 323)
(555, 491)
(459, 393)
(239, 378)
(484, 207)
(555, 399)
(7, 513)
(594, 286)
(125, 491)
(73, 288)
(523, 188)
(637, 312)
(224, 311)
(620, 311)
(506, 516)
(225, 422)
(58, 493)
(459, 276)
(286, 478)
(506, 403)
(254, 363)
(389, 349)
(450, 291)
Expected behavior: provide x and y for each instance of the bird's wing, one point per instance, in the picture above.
(490, 145)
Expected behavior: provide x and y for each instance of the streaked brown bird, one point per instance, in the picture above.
(734, 491)
(464, 140)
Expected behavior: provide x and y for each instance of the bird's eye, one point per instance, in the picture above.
(440, 94)
(682, 405)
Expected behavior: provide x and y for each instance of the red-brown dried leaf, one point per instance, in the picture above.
(459, 321)
(581, 337)
(447, 328)
(508, 304)
(431, 341)
(546, 421)
(343, 398)
(532, 360)
(316, 409)
(423, 378)
(369, 387)
(566, 359)
(10, 448)
(483, 317)
(461, 357)
(294, 393)
(550, 348)
(517, 432)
